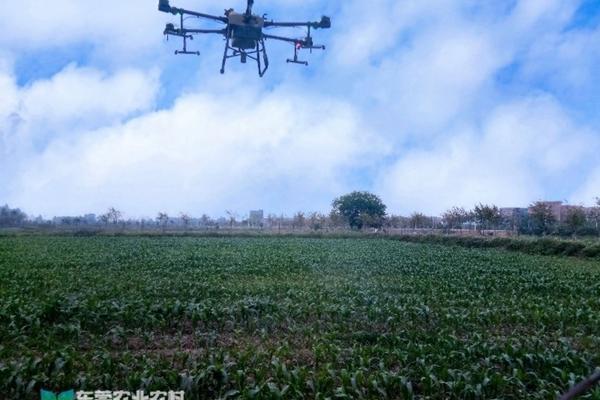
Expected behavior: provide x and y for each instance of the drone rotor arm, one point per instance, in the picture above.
(201, 15)
(269, 24)
(298, 43)
(283, 39)
(324, 23)
(203, 31)
(164, 6)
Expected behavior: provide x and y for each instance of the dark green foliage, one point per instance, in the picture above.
(455, 218)
(487, 217)
(545, 246)
(10, 217)
(294, 318)
(592, 251)
(360, 209)
(541, 218)
(574, 220)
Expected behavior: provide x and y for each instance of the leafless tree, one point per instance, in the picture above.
(418, 220)
(317, 221)
(112, 216)
(299, 220)
(185, 218)
(205, 220)
(104, 218)
(272, 220)
(232, 218)
(455, 218)
(163, 219)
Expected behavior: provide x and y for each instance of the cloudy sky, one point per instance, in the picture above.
(429, 104)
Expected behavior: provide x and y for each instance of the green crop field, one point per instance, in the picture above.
(293, 318)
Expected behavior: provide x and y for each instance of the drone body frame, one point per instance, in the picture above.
(244, 34)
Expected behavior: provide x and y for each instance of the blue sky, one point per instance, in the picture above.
(429, 104)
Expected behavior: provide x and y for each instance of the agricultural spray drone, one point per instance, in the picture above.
(244, 36)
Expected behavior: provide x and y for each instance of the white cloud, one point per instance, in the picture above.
(60, 108)
(589, 191)
(207, 154)
(72, 100)
(88, 94)
(542, 14)
(566, 60)
(123, 25)
(423, 75)
(524, 148)
(438, 78)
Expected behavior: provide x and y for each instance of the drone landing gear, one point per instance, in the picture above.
(185, 50)
(171, 31)
(295, 59)
(259, 54)
(307, 43)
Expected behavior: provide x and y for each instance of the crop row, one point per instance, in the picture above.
(292, 318)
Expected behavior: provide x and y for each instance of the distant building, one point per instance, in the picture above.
(566, 209)
(509, 213)
(257, 218)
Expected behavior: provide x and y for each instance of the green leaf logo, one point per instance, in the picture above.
(68, 395)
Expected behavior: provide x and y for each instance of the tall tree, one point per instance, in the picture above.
(594, 214)
(11, 217)
(205, 220)
(186, 219)
(112, 216)
(455, 218)
(396, 221)
(299, 220)
(317, 221)
(232, 216)
(575, 219)
(487, 216)
(163, 219)
(418, 220)
(542, 218)
(272, 220)
(360, 209)
(104, 218)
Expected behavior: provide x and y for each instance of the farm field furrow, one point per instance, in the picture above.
(293, 318)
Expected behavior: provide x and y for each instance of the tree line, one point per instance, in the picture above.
(363, 210)
(11, 217)
(538, 219)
